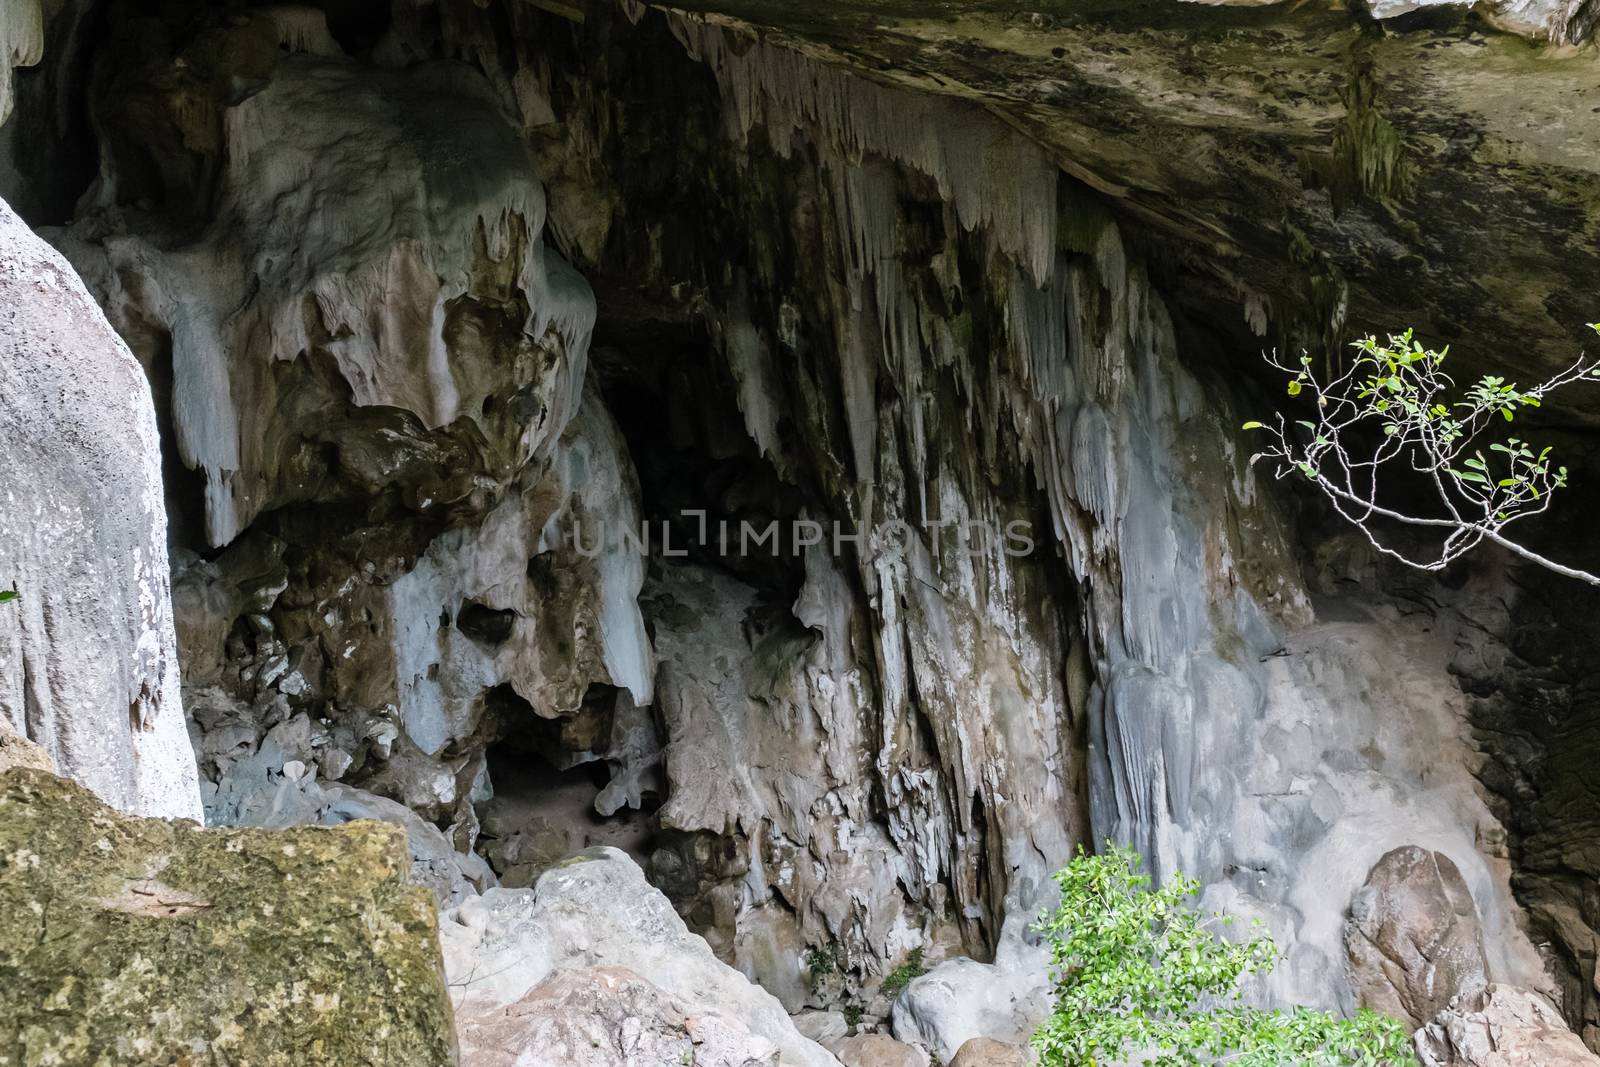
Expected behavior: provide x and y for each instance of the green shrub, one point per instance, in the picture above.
(1138, 970)
(823, 960)
(901, 976)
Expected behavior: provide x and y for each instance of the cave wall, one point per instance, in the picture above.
(407, 294)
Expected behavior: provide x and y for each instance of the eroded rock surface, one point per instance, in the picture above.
(962, 1001)
(135, 941)
(606, 1017)
(1501, 1027)
(597, 911)
(88, 655)
(984, 1052)
(1413, 937)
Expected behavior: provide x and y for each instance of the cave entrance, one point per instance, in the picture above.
(547, 776)
(700, 471)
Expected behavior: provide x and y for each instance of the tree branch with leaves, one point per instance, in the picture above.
(1392, 411)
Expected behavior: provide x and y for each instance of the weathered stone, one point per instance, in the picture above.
(1500, 1026)
(138, 941)
(88, 659)
(1413, 938)
(877, 1050)
(21, 45)
(962, 999)
(596, 910)
(18, 751)
(823, 1027)
(986, 1052)
(606, 1017)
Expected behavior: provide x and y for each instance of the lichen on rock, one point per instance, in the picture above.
(130, 941)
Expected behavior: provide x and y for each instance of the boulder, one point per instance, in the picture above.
(1501, 1026)
(88, 656)
(1412, 937)
(877, 1050)
(606, 1017)
(823, 1027)
(962, 999)
(986, 1052)
(139, 941)
(18, 751)
(597, 910)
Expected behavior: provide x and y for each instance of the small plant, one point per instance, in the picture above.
(824, 960)
(1140, 975)
(901, 976)
(853, 1014)
(1393, 411)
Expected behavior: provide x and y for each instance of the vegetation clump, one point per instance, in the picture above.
(901, 976)
(1141, 976)
(1395, 446)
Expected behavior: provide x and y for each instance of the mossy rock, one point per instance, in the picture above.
(138, 941)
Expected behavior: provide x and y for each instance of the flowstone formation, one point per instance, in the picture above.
(797, 447)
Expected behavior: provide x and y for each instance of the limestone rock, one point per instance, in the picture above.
(877, 1050)
(823, 1027)
(986, 1052)
(606, 1017)
(21, 45)
(597, 910)
(452, 876)
(88, 659)
(137, 941)
(962, 999)
(18, 751)
(1501, 1026)
(1413, 938)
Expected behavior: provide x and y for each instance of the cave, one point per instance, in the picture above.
(547, 784)
(784, 481)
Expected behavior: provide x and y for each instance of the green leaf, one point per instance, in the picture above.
(1252, 425)
(1294, 388)
(7, 594)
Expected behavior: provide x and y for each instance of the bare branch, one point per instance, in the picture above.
(1393, 404)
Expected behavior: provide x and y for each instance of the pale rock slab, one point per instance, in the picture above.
(597, 910)
(877, 1050)
(88, 656)
(1501, 1026)
(985, 1052)
(961, 999)
(606, 1017)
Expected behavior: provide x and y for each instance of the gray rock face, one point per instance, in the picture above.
(1500, 1026)
(88, 659)
(606, 1017)
(597, 910)
(1413, 938)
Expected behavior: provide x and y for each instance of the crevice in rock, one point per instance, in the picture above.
(547, 778)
